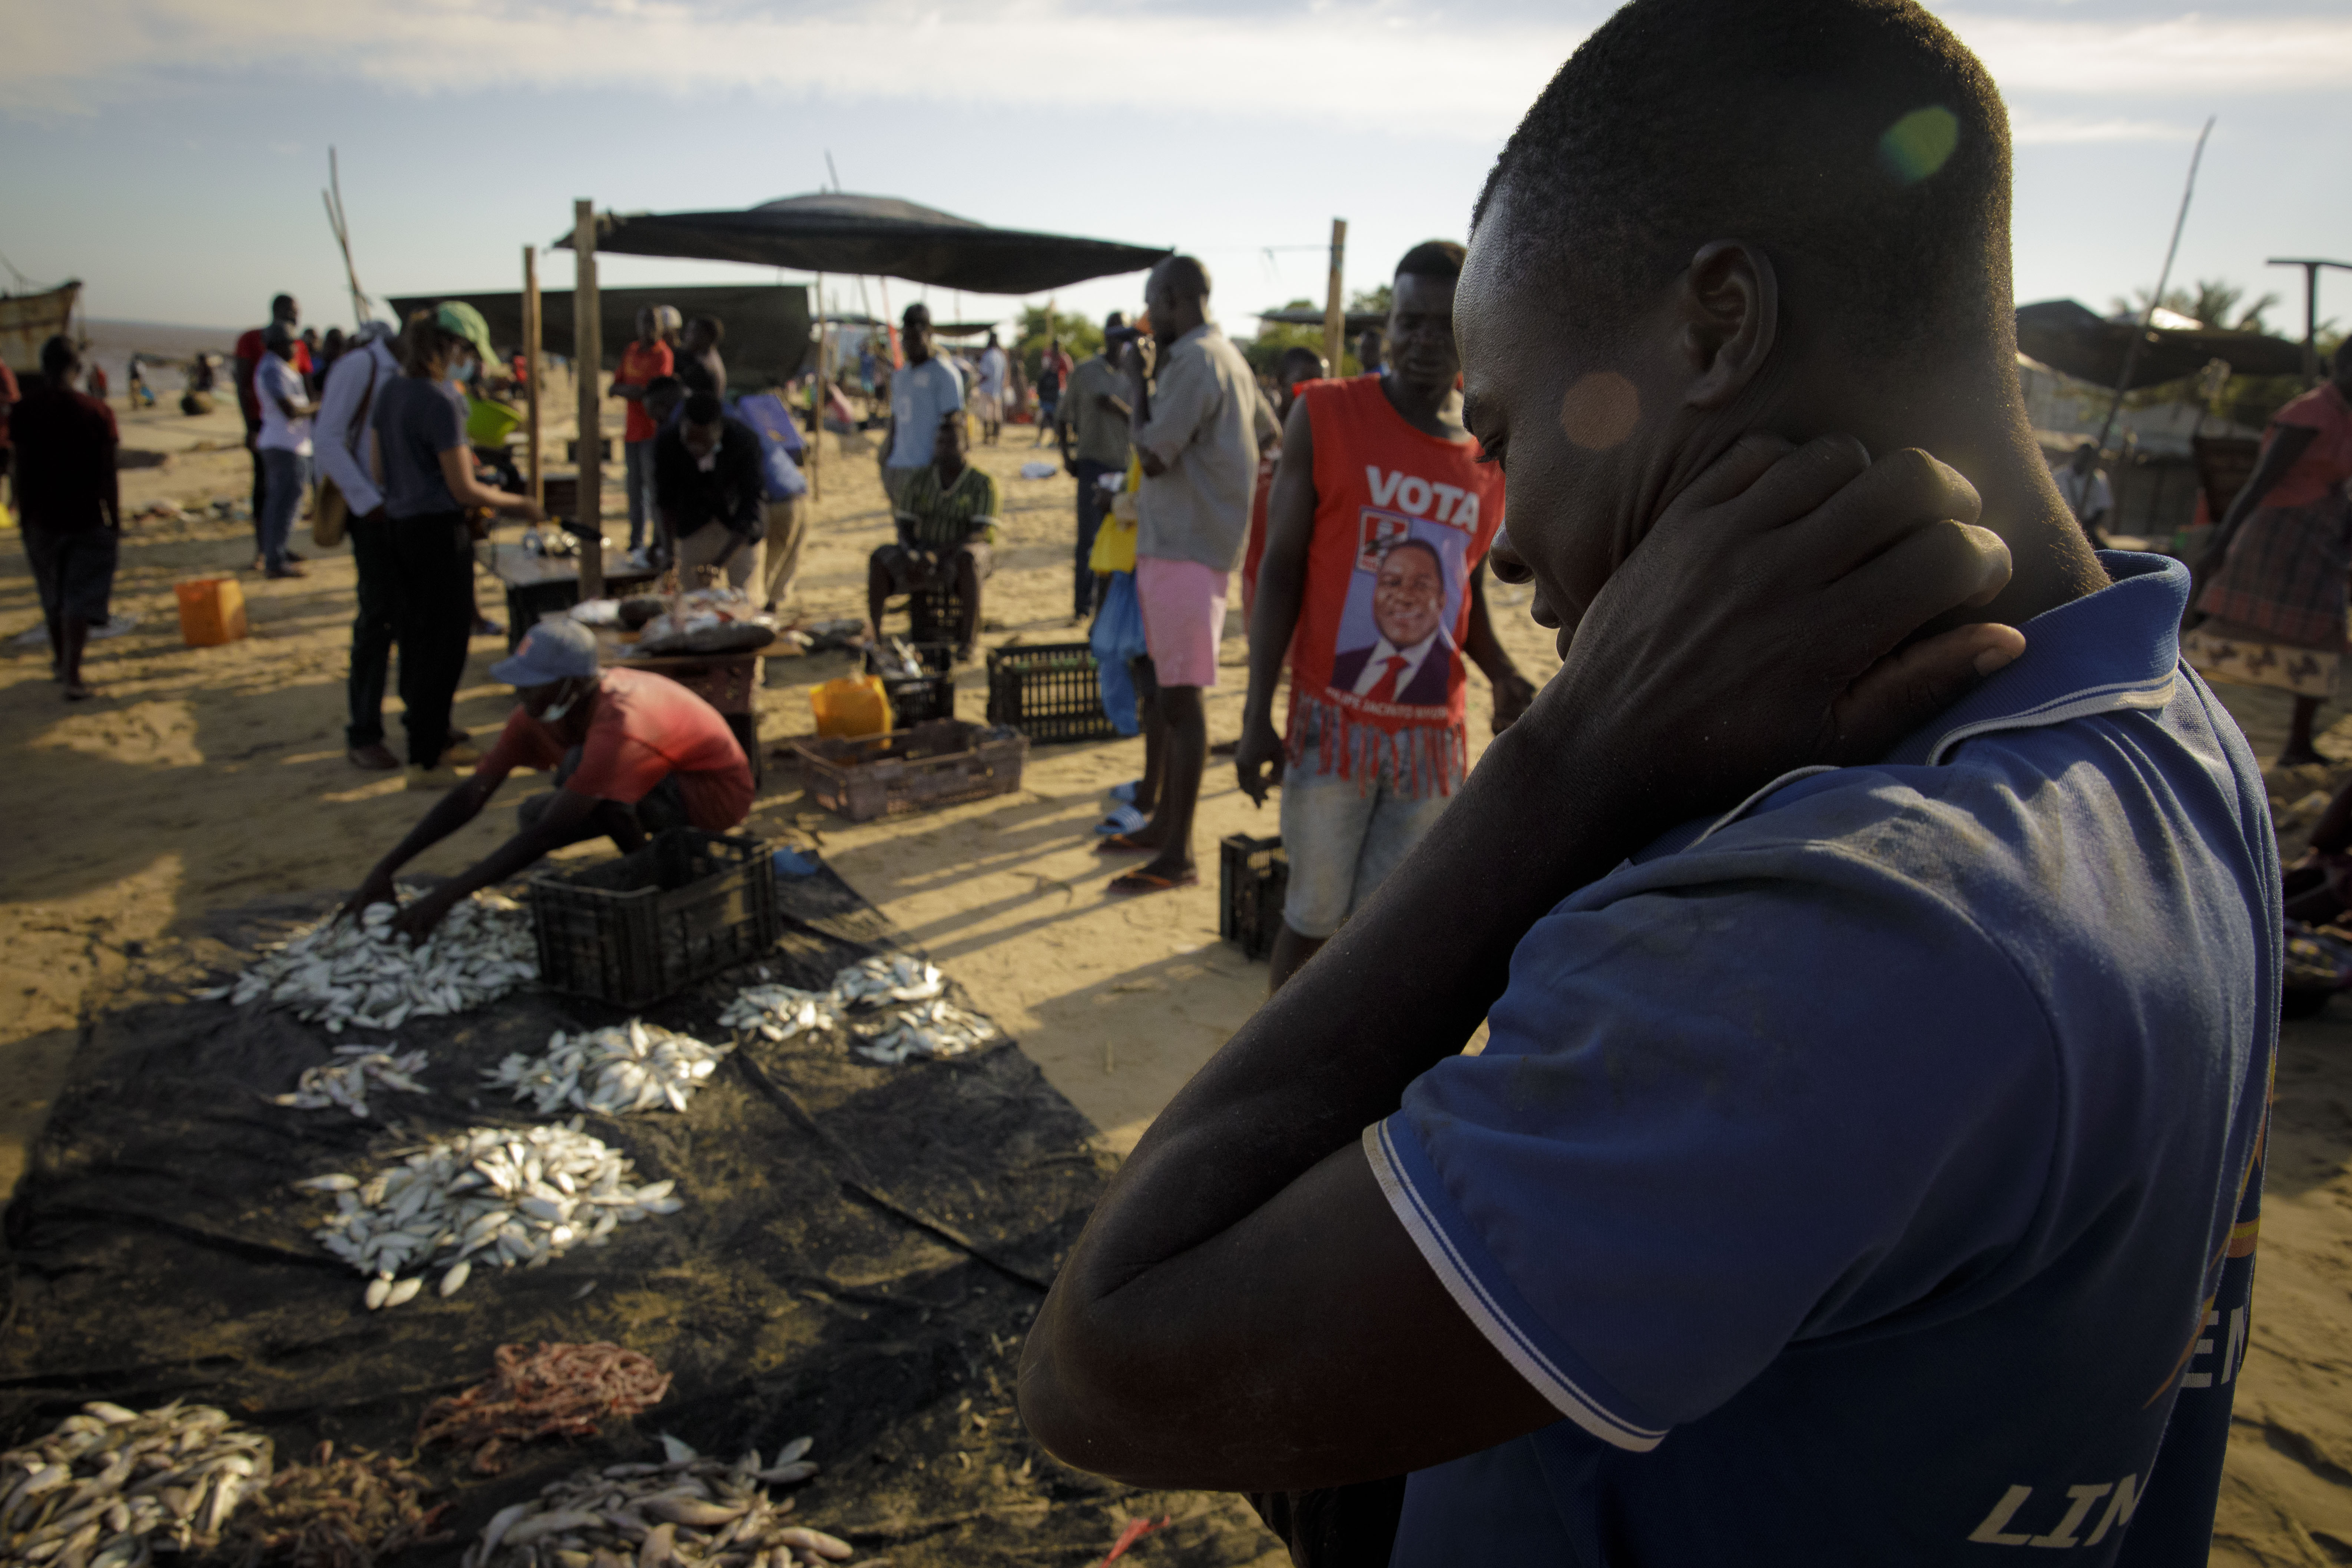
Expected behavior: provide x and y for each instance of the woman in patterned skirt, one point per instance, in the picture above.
(2275, 605)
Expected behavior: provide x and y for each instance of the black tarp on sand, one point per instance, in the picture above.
(860, 1252)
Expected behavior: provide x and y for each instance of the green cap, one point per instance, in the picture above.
(456, 316)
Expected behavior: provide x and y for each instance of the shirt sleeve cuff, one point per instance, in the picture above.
(1477, 1282)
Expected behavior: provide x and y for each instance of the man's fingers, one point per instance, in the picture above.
(1749, 458)
(1796, 482)
(1929, 571)
(1904, 689)
(1900, 492)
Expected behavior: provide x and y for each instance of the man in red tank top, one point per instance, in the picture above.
(1372, 580)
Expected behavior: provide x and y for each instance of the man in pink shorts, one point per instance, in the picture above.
(1198, 418)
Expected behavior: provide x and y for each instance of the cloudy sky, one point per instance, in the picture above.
(170, 152)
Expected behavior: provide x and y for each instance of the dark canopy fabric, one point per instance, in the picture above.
(882, 236)
(2069, 337)
(767, 336)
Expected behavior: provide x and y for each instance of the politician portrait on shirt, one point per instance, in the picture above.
(1413, 661)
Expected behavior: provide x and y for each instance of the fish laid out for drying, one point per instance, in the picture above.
(934, 1028)
(629, 1067)
(363, 973)
(110, 1487)
(885, 978)
(779, 1012)
(336, 1513)
(556, 1391)
(351, 1075)
(491, 1195)
(686, 1509)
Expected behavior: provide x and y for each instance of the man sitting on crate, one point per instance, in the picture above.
(947, 517)
(634, 752)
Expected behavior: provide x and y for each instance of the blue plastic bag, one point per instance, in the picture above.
(1119, 638)
(779, 437)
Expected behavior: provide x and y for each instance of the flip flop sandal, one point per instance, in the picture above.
(1135, 882)
(1120, 843)
(1123, 819)
(1125, 792)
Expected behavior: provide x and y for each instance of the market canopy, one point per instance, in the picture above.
(768, 338)
(833, 231)
(2070, 337)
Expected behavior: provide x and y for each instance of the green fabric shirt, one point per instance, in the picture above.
(943, 519)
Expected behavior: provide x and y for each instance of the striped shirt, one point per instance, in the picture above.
(945, 519)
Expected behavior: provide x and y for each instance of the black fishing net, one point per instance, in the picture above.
(859, 1254)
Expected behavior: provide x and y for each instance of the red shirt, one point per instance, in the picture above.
(8, 395)
(2327, 461)
(65, 460)
(1401, 518)
(640, 366)
(646, 728)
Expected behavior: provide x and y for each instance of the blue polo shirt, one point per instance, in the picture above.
(1871, 1176)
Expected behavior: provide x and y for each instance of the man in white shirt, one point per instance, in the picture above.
(340, 441)
(921, 394)
(284, 442)
(990, 404)
(2084, 486)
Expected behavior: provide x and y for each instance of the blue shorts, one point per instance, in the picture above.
(1342, 837)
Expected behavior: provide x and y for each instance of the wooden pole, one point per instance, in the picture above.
(817, 399)
(2311, 266)
(587, 361)
(530, 368)
(1334, 318)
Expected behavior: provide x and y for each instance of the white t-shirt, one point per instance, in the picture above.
(273, 378)
(992, 374)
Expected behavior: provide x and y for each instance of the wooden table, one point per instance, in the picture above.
(540, 586)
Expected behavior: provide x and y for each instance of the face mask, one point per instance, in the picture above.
(556, 710)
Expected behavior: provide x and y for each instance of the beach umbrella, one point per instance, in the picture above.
(832, 231)
(2069, 337)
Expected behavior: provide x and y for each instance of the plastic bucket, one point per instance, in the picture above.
(853, 705)
(489, 424)
(211, 611)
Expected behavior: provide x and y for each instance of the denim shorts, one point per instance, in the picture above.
(1342, 837)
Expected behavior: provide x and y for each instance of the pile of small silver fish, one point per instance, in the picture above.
(687, 1509)
(778, 1012)
(494, 1195)
(886, 977)
(934, 1028)
(363, 973)
(630, 1067)
(109, 1487)
(345, 1081)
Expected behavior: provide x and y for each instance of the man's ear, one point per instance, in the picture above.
(1729, 299)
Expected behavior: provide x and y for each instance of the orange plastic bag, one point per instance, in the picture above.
(853, 705)
(211, 611)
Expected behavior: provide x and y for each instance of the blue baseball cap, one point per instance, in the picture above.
(558, 649)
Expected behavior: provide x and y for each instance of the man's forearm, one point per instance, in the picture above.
(525, 848)
(1400, 987)
(1281, 591)
(450, 813)
(1486, 649)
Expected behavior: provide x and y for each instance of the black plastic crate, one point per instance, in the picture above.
(933, 614)
(1253, 875)
(634, 930)
(1048, 692)
(919, 698)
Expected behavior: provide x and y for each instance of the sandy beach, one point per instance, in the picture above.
(204, 778)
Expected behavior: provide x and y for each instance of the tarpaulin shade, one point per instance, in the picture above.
(769, 337)
(2070, 337)
(836, 231)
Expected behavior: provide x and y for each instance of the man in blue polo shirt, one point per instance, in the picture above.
(1876, 925)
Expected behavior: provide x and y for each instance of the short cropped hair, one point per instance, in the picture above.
(716, 328)
(1304, 358)
(918, 311)
(59, 357)
(1432, 258)
(703, 408)
(1858, 134)
(1187, 276)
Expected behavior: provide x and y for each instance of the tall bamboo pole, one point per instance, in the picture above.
(587, 361)
(1334, 318)
(530, 368)
(818, 397)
